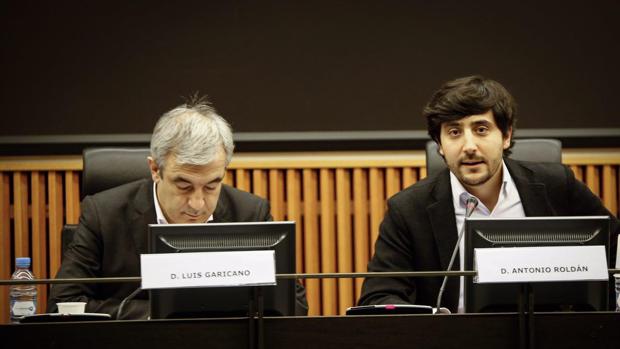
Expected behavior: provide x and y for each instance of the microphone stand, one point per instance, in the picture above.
(125, 300)
(256, 311)
(470, 206)
(526, 317)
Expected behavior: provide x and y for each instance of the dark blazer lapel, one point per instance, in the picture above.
(222, 213)
(532, 192)
(142, 215)
(443, 221)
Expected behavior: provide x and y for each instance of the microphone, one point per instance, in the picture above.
(119, 312)
(470, 206)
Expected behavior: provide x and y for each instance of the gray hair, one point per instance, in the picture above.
(193, 133)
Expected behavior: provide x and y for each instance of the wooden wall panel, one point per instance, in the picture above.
(72, 197)
(338, 200)
(312, 254)
(229, 178)
(593, 179)
(328, 241)
(410, 176)
(5, 243)
(31, 225)
(361, 225)
(344, 243)
(276, 194)
(243, 180)
(293, 208)
(392, 181)
(259, 183)
(21, 235)
(377, 203)
(55, 217)
(39, 235)
(610, 188)
(578, 171)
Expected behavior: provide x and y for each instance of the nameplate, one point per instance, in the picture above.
(618, 258)
(618, 254)
(208, 269)
(540, 264)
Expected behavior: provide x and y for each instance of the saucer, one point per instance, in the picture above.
(57, 317)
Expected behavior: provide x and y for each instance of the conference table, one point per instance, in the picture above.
(549, 330)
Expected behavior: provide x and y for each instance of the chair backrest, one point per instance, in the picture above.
(66, 237)
(106, 168)
(535, 149)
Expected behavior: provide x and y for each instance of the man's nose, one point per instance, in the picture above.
(469, 143)
(196, 201)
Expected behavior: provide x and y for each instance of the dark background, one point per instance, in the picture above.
(113, 67)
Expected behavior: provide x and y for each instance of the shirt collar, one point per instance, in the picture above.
(161, 219)
(460, 194)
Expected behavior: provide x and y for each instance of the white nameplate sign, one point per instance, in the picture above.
(618, 256)
(208, 269)
(538, 264)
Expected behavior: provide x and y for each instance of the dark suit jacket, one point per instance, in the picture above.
(418, 232)
(111, 235)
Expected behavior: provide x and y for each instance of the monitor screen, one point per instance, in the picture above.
(529, 232)
(224, 301)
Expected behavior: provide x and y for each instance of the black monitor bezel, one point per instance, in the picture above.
(475, 294)
(277, 300)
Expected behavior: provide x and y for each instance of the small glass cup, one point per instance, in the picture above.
(71, 307)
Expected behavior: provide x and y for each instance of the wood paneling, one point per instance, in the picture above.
(21, 232)
(276, 194)
(259, 183)
(377, 203)
(6, 251)
(578, 171)
(610, 187)
(243, 180)
(361, 225)
(312, 253)
(72, 197)
(328, 241)
(593, 179)
(338, 200)
(55, 216)
(293, 207)
(344, 238)
(39, 235)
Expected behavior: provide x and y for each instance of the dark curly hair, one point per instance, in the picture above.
(467, 96)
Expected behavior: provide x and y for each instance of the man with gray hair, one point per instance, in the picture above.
(191, 147)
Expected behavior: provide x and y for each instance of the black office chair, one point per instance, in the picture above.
(535, 149)
(106, 168)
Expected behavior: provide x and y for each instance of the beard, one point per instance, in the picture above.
(474, 171)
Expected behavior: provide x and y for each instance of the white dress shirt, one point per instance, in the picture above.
(508, 205)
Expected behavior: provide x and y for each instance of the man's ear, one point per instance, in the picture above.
(154, 169)
(508, 138)
(439, 150)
